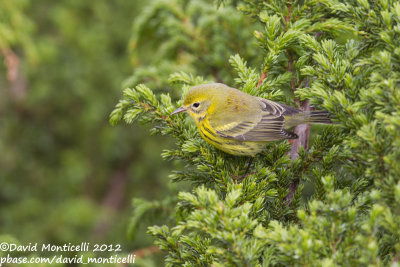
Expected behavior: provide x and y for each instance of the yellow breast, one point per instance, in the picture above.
(230, 146)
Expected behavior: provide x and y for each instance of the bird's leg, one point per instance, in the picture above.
(241, 177)
(248, 166)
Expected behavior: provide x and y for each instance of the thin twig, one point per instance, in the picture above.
(287, 18)
(263, 76)
(112, 200)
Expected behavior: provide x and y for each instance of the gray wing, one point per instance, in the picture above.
(268, 127)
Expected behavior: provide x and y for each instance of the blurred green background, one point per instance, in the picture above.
(66, 175)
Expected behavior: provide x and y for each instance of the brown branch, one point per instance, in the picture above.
(303, 132)
(18, 85)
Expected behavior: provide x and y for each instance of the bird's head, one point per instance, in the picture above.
(201, 100)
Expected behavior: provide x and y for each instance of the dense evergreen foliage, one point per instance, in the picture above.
(341, 56)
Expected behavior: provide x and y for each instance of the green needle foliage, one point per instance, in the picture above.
(344, 57)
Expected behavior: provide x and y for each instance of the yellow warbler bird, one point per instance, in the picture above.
(241, 124)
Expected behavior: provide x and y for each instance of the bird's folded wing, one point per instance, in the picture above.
(267, 126)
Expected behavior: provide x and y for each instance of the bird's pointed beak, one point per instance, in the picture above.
(180, 109)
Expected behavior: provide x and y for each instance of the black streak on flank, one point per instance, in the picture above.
(212, 140)
(201, 118)
(208, 130)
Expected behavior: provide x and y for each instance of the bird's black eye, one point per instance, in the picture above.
(196, 105)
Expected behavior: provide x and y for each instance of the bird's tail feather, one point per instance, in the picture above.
(308, 117)
(319, 116)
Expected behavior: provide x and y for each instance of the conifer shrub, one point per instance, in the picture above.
(336, 201)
